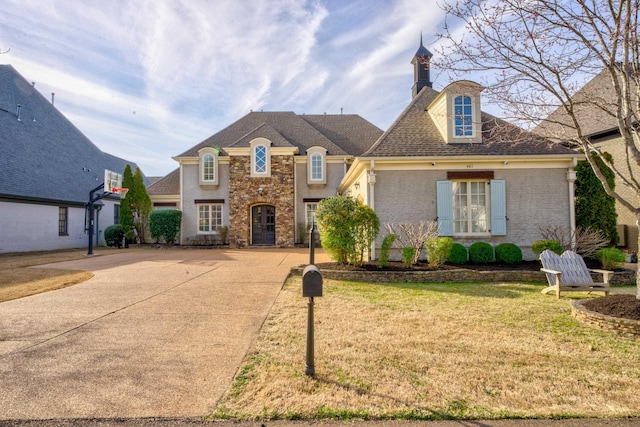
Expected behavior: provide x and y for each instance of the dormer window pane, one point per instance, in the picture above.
(463, 116)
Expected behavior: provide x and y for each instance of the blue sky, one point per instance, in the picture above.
(147, 79)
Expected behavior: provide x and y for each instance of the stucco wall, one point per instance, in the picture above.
(535, 198)
(192, 190)
(335, 172)
(32, 227)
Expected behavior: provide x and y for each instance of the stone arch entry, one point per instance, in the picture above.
(263, 225)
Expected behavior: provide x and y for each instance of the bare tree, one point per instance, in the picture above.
(534, 55)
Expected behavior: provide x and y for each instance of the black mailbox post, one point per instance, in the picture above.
(311, 287)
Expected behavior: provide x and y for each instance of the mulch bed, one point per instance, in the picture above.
(423, 266)
(622, 306)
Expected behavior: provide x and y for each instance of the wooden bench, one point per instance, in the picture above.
(569, 273)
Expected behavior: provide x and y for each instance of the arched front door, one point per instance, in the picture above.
(263, 225)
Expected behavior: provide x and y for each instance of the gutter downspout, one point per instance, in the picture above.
(571, 178)
(371, 180)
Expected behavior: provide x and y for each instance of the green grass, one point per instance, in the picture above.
(416, 351)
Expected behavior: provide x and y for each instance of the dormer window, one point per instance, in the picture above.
(316, 166)
(208, 166)
(456, 113)
(463, 116)
(260, 157)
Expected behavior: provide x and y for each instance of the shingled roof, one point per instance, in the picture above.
(167, 185)
(591, 102)
(414, 133)
(339, 134)
(43, 156)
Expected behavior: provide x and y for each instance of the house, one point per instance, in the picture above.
(262, 176)
(596, 109)
(443, 160)
(47, 169)
(480, 178)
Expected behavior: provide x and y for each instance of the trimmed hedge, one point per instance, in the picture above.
(508, 253)
(480, 253)
(113, 235)
(458, 254)
(165, 225)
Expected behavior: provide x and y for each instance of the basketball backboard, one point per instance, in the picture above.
(111, 180)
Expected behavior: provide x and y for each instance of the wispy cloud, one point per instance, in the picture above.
(146, 80)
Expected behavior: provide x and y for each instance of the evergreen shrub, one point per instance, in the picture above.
(113, 235)
(165, 225)
(611, 258)
(438, 249)
(407, 255)
(387, 243)
(540, 246)
(508, 253)
(458, 254)
(480, 252)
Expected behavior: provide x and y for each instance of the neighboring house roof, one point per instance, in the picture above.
(340, 135)
(591, 103)
(414, 133)
(43, 156)
(167, 185)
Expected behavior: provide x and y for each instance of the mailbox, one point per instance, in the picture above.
(311, 281)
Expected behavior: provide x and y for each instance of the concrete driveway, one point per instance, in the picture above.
(156, 333)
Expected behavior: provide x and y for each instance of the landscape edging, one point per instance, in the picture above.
(626, 327)
(458, 275)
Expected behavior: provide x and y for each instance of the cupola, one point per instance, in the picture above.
(421, 67)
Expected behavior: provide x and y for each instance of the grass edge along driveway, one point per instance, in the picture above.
(434, 351)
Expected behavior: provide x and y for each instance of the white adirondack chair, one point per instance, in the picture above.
(569, 273)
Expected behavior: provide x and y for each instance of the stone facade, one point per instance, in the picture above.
(277, 190)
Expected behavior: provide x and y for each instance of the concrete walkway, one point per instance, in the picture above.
(154, 333)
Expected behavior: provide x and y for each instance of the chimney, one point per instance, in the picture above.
(18, 112)
(53, 94)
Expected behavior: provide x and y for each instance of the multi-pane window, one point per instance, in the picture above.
(209, 218)
(260, 160)
(208, 168)
(463, 116)
(470, 207)
(317, 173)
(63, 220)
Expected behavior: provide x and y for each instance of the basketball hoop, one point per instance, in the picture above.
(122, 192)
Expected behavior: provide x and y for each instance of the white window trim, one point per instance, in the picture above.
(208, 151)
(261, 142)
(487, 204)
(322, 152)
(212, 228)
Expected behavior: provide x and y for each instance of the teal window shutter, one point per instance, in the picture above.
(445, 208)
(498, 208)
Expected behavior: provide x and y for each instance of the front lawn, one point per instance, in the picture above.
(434, 351)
